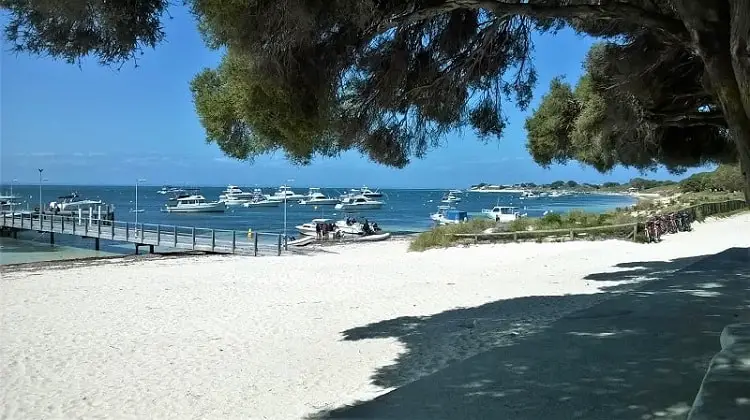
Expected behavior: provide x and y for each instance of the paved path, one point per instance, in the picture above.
(640, 355)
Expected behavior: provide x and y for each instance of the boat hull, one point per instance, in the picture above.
(372, 238)
(307, 240)
(357, 207)
(235, 203)
(266, 203)
(320, 202)
(204, 208)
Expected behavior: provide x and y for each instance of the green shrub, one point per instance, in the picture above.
(442, 236)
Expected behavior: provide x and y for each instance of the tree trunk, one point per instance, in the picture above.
(721, 48)
(739, 39)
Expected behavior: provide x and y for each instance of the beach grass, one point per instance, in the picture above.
(445, 236)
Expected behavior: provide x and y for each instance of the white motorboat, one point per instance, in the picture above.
(447, 215)
(286, 192)
(260, 200)
(488, 188)
(451, 197)
(261, 203)
(370, 193)
(8, 203)
(196, 204)
(73, 203)
(528, 194)
(234, 193)
(316, 198)
(358, 202)
(502, 213)
(310, 228)
(234, 202)
(170, 190)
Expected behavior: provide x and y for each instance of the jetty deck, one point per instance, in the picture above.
(220, 241)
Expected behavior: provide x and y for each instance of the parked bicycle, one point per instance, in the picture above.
(662, 224)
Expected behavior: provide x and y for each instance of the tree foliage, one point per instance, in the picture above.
(624, 113)
(669, 84)
(724, 178)
(112, 31)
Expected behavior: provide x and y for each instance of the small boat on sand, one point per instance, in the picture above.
(305, 240)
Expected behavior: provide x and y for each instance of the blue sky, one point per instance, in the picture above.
(97, 125)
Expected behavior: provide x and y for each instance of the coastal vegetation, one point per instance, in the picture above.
(390, 78)
(720, 185)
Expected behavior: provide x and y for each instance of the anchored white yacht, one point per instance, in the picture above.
(359, 202)
(196, 204)
(316, 198)
(260, 200)
(285, 192)
(452, 197)
(235, 193)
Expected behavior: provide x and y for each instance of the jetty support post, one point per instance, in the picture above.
(175, 236)
(193, 235)
(52, 238)
(213, 240)
(127, 231)
(279, 246)
(73, 219)
(96, 244)
(112, 229)
(158, 235)
(141, 231)
(234, 240)
(255, 245)
(62, 224)
(99, 228)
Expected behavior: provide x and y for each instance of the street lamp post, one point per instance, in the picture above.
(12, 202)
(40, 192)
(288, 181)
(136, 203)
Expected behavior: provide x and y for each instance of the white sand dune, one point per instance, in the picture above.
(222, 337)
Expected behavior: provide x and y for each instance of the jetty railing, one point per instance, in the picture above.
(628, 230)
(158, 235)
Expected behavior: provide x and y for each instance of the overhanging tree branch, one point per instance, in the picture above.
(606, 10)
(689, 119)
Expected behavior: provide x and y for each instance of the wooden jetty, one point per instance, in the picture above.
(218, 241)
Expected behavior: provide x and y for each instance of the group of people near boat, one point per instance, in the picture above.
(323, 230)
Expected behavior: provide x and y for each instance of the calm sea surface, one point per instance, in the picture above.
(405, 211)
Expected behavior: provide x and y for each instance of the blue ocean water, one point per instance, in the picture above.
(405, 211)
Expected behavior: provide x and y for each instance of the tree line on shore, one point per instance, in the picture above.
(725, 178)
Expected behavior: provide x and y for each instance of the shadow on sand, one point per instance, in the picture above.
(641, 354)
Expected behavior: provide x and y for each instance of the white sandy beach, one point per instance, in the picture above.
(243, 337)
